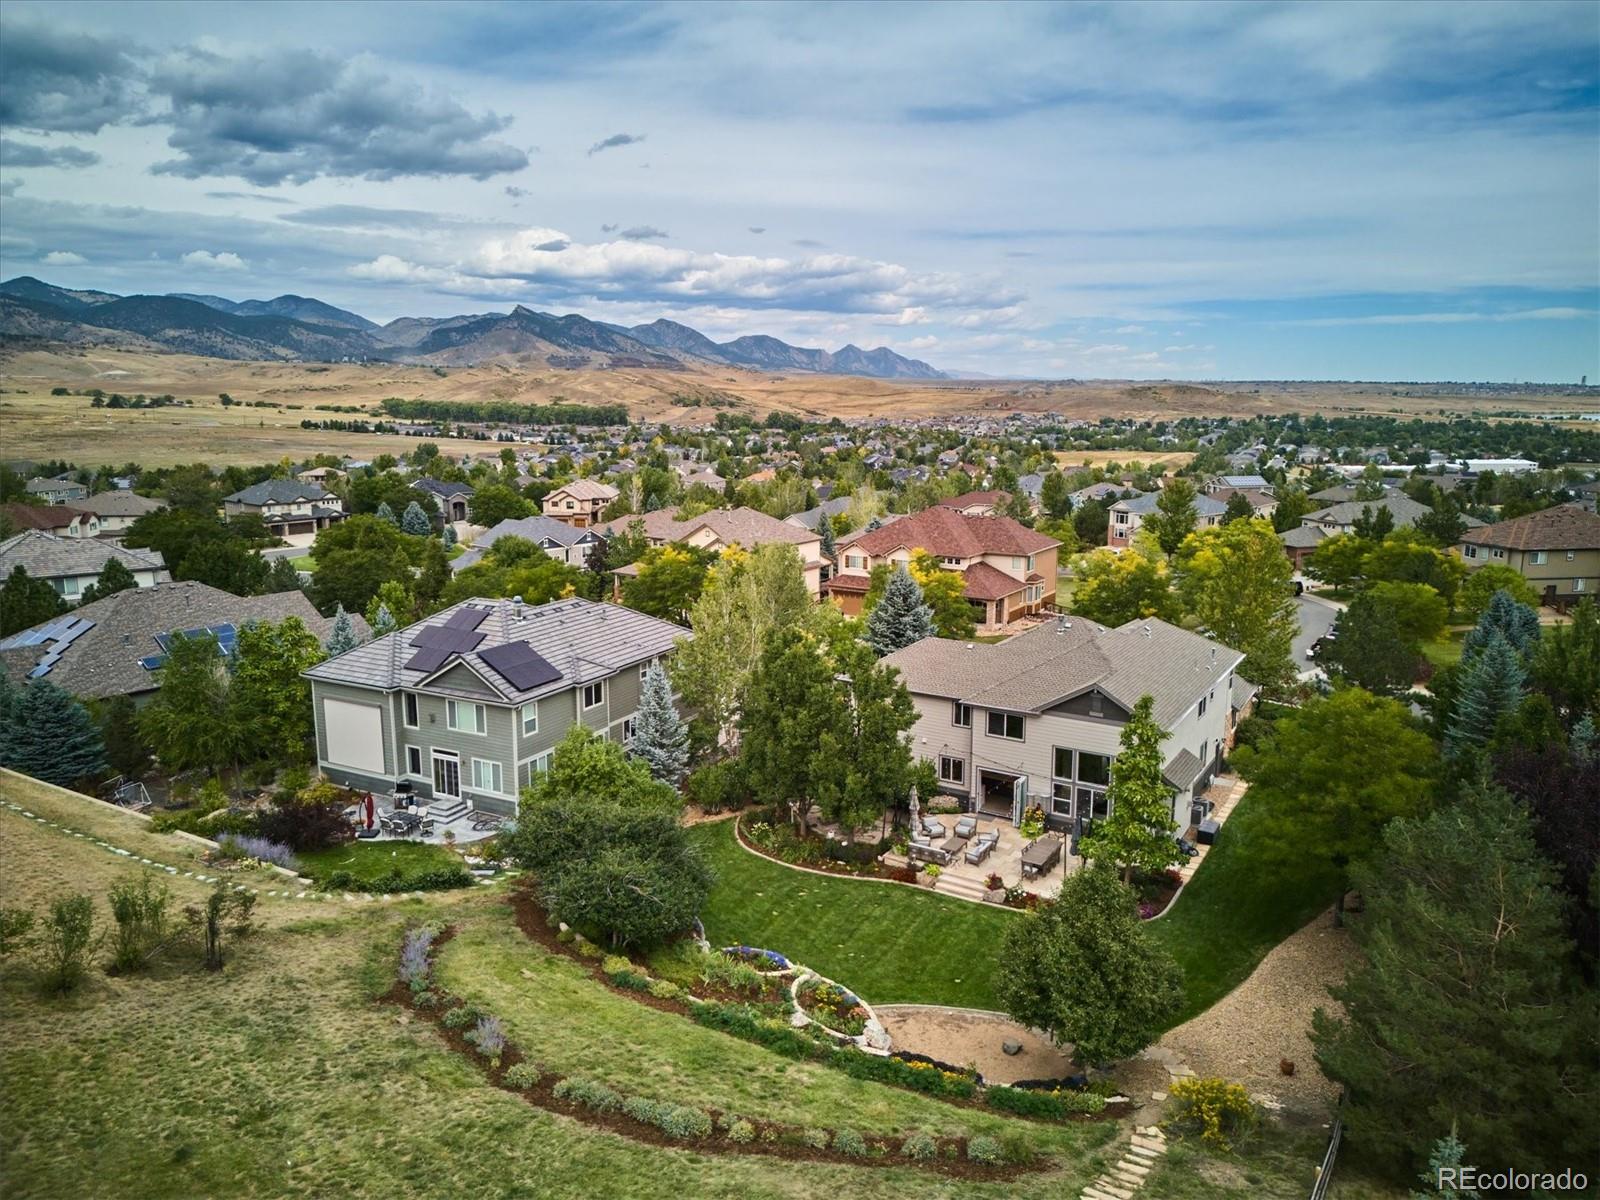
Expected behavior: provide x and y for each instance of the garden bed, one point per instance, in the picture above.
(778, 842)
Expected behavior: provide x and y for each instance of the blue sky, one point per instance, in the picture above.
(1223, 190)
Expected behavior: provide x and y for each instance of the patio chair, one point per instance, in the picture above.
(979, 850)
(966, 827)
(933, 830)
(424, 827)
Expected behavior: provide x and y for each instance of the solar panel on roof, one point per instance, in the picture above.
(153, 662)
(521, 665)
(467, 618)
(429, 658)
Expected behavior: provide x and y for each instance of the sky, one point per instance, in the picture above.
(1171, 190)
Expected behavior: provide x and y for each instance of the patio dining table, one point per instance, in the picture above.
(1040, 856)
(405, 822)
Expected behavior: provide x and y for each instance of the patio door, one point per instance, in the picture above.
(1019, 798)
(446, 775)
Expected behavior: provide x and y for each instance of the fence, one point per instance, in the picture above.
(1319, 1189)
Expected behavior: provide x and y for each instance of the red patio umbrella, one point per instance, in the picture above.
(369, 810)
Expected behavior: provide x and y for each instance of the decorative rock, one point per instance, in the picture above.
(798, 1019)
(1158, 1096)
(1011, 1047)
(875, 1035)
(995, 896)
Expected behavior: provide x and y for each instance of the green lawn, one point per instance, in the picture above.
(303, 562)
(1232, 913)
(368, 860)
(898, 945)
(1445, 650)
(891, 943)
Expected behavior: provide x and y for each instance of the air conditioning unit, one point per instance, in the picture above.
(1199, 811)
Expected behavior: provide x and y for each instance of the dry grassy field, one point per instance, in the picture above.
(1070, 459)
(38, 426)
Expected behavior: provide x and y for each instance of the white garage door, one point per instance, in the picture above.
(355, 735)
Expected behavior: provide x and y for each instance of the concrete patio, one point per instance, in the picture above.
(458, 826)
(969, 881)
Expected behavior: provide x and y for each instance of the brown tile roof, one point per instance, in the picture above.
(969, 499)
(1564, 527)
(989, 583)
(944, 531)
(42, 516)
(848, 583)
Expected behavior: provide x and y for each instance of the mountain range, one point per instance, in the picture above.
(298, 328)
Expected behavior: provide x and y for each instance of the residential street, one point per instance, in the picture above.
(1316, 618)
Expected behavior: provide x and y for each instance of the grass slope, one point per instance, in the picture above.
(892, 944)
(368, 860)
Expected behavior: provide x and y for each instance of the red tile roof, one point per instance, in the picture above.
(971, 499)
(1564, 527)
(43, 516)
(946, 532)
(989, 583)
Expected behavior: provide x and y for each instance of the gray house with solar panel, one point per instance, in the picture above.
(466, 706)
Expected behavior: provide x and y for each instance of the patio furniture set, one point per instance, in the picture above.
(929, 844)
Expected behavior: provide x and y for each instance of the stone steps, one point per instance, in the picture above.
(1127, 1176)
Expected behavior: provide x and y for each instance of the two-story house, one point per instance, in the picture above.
(467, 705)
(1125, 517)
(56, 491)
(454, 499)
(58, 520)
(562, 542)
(118, 509)
(580, 502)
(721, 528)
(287, 507)
(71, 564)
(1009, 570)
(1037, 719)
(1557, 550)
(979, 504)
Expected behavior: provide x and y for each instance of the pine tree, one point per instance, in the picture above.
(659, 735)
(382, 621)
(1491, 686)
(26, 602)
(114, 577)
(449, 534)
(1584, 742)
(386, 514)
(414, 521)
(1138, 832)
(342, 637)
(830, 548)
(1511, 619)
(901, 617)
(284, 576)
(53, 737)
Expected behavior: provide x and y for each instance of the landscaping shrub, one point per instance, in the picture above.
(918, 1077)
(566, 937)
(1085, 1103)
(1220, 1111)
(139, 907)
(414, 964)
(722, 969)
(817, 1139)
(985, 1150)
(206, 824)
(664, 989)
(743, 1022)
(903, 874)
(1051, 1105)
(460, 1017)
(741, 1133)
(522, 1076)
(681, 1121)
(920, 1147)
(310, 818)
(613, 964)
(848, 1141)
(67, 942)
(1016, 1148)
(834, 1007)
(642, 1109)
(241, 845)
(717, 787)
(589, 949)
(589, 1093)
(15, 925)
(489, 1036)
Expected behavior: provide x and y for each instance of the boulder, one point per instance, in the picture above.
(1011, 1047)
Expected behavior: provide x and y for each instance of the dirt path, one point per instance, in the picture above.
(1266, 1019)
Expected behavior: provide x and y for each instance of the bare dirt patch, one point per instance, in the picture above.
(967, 1038)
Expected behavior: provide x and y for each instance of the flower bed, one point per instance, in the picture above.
(766, 961)
(777, 840)
(832, 1007)
(480, 1037)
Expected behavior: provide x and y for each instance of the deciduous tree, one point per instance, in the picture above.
(1371, 650)
(1114, 588)
(1236, 580)
(494, 503)
(268, 695)
(190, 723)
(114, 577)
(26, 602)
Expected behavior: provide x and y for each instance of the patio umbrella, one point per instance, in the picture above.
(915, 826)
(369, 810)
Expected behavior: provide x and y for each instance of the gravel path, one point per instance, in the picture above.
(963, 1037)
(1265, 1019)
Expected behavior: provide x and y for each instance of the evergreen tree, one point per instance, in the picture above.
(8, 710)
(901, 617)
(1055, 495)
(126, 752)
(386, 515)
(53, 737)
(382, 621)
(114, 577)
(449, 534)
(659, 735)
(1237, 509)
(1507, 616)
(1371, 650)
(1564, 666)
(414, 521)
(830, 548)
(1490, 687)
(342, 637)
(284, 576)
(26, 602)
(1138, 833)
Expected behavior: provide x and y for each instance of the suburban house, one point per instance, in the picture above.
(580, 502)
(319, 475)
(287, 507)
(978, 504)
(115, 646)
(1009, 569)
(565, 543)
(467, 705)
(1126, 516)
(1037, 719)
(59, 520)
(721, 528)
(454, 499)
(1262, 504)
(56, 491)
(118, 509)
(812, 518)
(1317, 527)
(1229, 483)
(1557, 550)
(71, 564)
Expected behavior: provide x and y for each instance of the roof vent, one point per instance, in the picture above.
(969, 645)
(1146, 631)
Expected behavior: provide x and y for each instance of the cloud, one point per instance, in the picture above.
(643, 233)
(1129, 329)
(758, 228)
(808, 244)
(56, 80)
(516, 193)
(615, 140)
(261, 196)
(227, 260)
(360, 216)
(293, 116)
(1451, 318)
(609, 228)
(63, 258)
(31, 154)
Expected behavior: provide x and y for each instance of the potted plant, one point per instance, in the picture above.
(931, 873)
(1032, 823)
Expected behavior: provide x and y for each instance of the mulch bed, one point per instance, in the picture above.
(542, 1095)
(827, 866)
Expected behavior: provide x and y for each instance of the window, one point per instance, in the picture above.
(629, 726)
(952, 770)
(961, 718)
(644, 669)
(855, 561)
(1030, 562)
(1063, 764)
(486, 775)
(594, 694)
(1497, 553)
(1202, 710)
(1571, 554)
(1094, 768)
(413, 760)
(1061, 799)
(1469, 552)
(1016, 563)
(446, 774)
(1005, 725)
(1093, 804)
(1537, 558)
(465, 718)
(1577, 585)
(1096, 707)
(530, 718)
(950, 561)
(70, 586)
(411, 710)
(540, 765)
